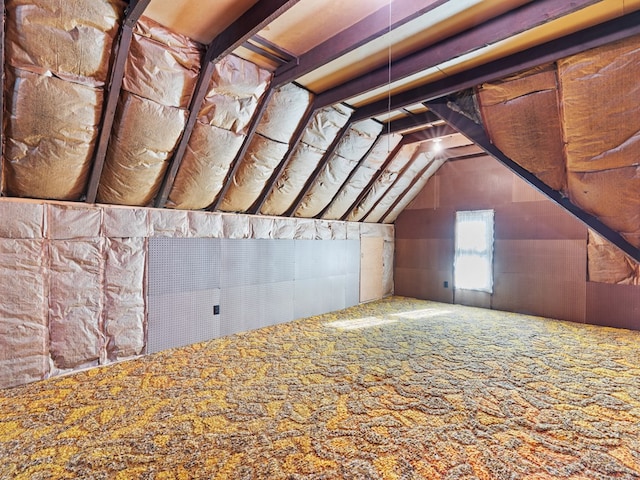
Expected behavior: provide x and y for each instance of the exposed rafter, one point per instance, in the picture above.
(316, 172)
(367, 29)
(408, 122)
(254, 20)
(275, 176)
(255, 121)
(476, 133)
(2, 34)
(135, 10)
(596, 36)
(511, 23)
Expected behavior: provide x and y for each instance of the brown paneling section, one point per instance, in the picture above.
(613, 305)
(473, 298)
(426, 223)
(542, 220)
(422, 283)
(429, 253)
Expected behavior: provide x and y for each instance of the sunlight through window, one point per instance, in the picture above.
(473, 263)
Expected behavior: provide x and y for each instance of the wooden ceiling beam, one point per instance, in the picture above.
(293, 144)
(133, 13)
(250, 23)
(477, 134)
(253, 126)
(525, 17)
(592, 37)
(362, 32)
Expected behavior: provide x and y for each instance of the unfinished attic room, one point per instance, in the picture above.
(320, 239)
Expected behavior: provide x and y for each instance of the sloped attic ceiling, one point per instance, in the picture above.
(320, 109)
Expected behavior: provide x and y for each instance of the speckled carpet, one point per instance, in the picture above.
(396, 389)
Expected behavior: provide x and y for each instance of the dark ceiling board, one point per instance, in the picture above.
(477, 134)
(316, 172)
(362, 32)
(523, 18)
(406, 191)
(250, 23)
(596, 36)
(375, 177)
(251, 132)
(295, 140)
(349, 177)
(134, 12)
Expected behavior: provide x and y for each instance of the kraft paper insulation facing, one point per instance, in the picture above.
(351, 149)
(607, 264)
(602, 133)
(384, 181)
(57, 65)
(318, 136)
(268, 147)
(522, 116)
(585, 98)
(160, 76)
(234, 93)
(415, 190)
(419, 162)
(360, 179)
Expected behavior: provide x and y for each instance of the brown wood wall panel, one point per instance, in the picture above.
(423, 283)
(472, 298)
(613, 305)
(428, 253)
(427, 223)
(559, 259)
(542, 220)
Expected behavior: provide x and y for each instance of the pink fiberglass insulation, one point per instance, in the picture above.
(57, 65)
(234, 93)
(285, 110)
(348, 153)
(160, 76)
(361, 177)
(318, 136)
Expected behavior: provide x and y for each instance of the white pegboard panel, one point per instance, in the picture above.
(182, 318)
(256, 261)
(183, 264)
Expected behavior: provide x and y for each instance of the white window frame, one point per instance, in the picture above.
(473, 256)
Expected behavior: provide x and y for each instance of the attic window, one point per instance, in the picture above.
(473, 262)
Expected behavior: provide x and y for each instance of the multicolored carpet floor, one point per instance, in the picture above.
(397, 389)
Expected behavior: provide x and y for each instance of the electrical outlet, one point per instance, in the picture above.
(216, 309)
(446, 284)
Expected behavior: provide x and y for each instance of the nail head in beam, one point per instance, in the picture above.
(592, 37)
(115, 84)
(249, 23)
(477, 134)
(253, 126)
(525, 17)
(375, 178)
(293, 144)
(197, 99)
(316, 172)
(362, 32)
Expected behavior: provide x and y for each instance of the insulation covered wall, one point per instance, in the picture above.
(270, 144)
(607, 264)
(234, 93)
(575, 125)
(160, 76)
(57, 65)
(351, 149)
(318, 136)
(73, 276)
